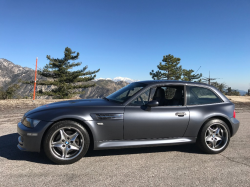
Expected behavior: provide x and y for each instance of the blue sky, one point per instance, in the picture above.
(128, 38)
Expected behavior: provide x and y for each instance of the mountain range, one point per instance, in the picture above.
(117, 79)
(242, 92)
(11, 73)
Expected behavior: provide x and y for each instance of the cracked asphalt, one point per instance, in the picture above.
(181, 165)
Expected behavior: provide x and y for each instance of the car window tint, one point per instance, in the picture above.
(171, 96)
(200, 95)
(133, 91)
(170, 92)
(174, 96)
(152, 93)
(126, 92)
(143, 99)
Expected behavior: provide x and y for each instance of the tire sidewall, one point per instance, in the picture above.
(59, 125)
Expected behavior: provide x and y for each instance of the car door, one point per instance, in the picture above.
(156, 122)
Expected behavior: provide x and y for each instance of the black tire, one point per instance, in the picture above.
(62, 141)
(210, 133)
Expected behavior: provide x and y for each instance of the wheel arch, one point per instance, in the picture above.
(82, 123)
(221, 118)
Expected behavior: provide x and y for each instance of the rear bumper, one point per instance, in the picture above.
(30, 138)
(235, 126)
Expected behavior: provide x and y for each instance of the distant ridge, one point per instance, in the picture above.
(242, 92)
(10, 73)
(117, 79)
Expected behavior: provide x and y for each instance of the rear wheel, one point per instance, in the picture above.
(66, 142)
(214, 137)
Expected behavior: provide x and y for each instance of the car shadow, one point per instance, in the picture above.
(9, 150)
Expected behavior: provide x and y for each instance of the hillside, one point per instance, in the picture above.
(11, 73)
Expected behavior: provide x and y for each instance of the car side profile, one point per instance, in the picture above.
(145, 113)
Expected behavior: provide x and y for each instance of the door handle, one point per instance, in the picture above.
(180, 114)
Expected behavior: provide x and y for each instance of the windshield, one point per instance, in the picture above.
(126, 92)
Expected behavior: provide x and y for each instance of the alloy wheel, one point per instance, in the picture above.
(66, 143)
(216, 137)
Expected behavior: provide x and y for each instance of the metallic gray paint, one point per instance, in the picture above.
(110, 130)
(32, 143)
(137, 125)
(235, 125)
(201, 113)
(159, 122)
(144, 142)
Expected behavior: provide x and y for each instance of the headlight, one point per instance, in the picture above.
(28, 122)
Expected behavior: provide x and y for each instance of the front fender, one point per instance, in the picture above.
(111, 129)
(60, 113)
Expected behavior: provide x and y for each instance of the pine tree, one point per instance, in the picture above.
(169, 69)
(65, 81)
(10, 91)
(189, 76)
(220, 86)
(156, 75)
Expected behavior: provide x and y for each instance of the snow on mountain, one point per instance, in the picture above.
(117, 79)
(103, 79)
(125, 79)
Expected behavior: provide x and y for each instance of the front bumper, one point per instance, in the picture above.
(235, 126)
(30, 138)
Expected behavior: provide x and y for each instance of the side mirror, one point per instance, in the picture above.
(152, 103)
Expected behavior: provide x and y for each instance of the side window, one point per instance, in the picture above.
(174, 96)
(143, 99)
(200, 95)
(170, 92)
(165, 95)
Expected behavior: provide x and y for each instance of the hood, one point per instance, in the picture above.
(73, 103)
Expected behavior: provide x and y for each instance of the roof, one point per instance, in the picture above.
(171, 82)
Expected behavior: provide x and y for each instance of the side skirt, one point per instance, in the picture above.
(116, 144)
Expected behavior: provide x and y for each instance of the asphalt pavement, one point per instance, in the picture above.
(183, 165)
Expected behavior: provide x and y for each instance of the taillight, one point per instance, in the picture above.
(234, 114)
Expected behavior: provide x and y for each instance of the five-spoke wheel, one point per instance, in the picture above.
(214, 137)
(66, 142)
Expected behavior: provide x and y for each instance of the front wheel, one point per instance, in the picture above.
(66, 142)
(214, 137)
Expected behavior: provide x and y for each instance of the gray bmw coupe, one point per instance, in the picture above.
(145, 113)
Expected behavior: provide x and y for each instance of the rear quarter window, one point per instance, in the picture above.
(199, 96)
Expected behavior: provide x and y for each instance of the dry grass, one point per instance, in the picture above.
(26, 103)
(241, 99)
